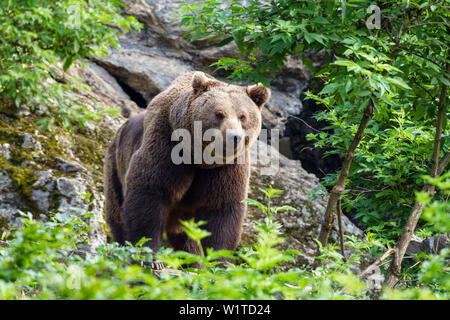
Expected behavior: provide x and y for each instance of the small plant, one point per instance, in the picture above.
(44, 261)
(193, 231)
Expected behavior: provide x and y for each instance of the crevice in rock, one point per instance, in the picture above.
(311, 157)
(133, 94)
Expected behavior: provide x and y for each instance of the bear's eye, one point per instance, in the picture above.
(220, 116)
(242, 118)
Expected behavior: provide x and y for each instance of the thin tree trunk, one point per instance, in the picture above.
(436, 170)
(339, 188)
(341, 230)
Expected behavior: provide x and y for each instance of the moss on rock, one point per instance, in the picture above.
(24, 164)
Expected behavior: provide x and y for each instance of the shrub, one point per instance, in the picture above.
(43, 262)
(36, 35)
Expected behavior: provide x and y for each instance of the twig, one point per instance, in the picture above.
(443, 163)
(341, 229)
(404, 274)
(436, 247)
(425, 90)
(428, 23)
(370, 268)
(291, 116)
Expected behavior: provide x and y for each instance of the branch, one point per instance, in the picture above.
(370, 268)
(443, 163)
(341, 229)
(297, 118)
(426, 91)
(339, 188)
(404, 274)
(428, 23)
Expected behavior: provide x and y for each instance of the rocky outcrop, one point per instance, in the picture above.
(61, 170)
(49, 173)
(150, 60)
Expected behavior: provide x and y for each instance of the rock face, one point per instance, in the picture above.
(58, 171)
(300, 190)
(44, 173)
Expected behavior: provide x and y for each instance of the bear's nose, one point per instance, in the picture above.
(234, 139)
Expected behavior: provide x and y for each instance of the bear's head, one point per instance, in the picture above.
(227, 118)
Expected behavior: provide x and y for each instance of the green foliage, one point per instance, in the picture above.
(433, 280)
(437, 212)
(43, 261)
(37, 34)
(193, 230)
(398, 68)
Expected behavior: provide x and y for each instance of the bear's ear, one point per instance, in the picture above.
(259, 94)
(200, 82)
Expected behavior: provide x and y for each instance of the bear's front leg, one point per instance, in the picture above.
(224, 222)
(151, 191)
(145, 211)
(220, 192)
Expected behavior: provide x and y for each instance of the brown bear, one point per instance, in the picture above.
(147, 193)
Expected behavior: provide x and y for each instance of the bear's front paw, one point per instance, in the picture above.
(157, 265)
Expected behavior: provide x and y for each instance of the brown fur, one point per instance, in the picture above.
(147, 194)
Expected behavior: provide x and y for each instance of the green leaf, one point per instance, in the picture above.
(238, 37)
(399, 82)
(225, 41)
(67, 63)
(308, 63)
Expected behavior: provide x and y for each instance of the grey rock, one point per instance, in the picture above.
(160, 27)
(285, 147)
(73, 203)
(109, 90)
(148, 71)
(280, 106)
(375, 282)
(100, 80)
(68, 166)
(10, 201)
(5, 181)
(24, 111)
(29, 142)
(43, 178)
(5, 151)
(69, 187)
(432, 245)
(41, 198)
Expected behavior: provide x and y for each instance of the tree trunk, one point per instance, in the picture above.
(339, 188)
(436, 170)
